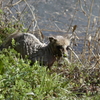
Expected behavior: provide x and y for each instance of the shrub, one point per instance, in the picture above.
(19, 80)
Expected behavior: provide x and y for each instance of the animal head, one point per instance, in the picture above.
(60, 45)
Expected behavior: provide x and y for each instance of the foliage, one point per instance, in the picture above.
(20, 81)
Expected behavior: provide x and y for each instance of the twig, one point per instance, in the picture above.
(76, 56)
(34, 19)
(82, 8)
(11, 5)
(1, 3)
(57, 26)
(72, 19)
(89, 17)
(11, 13)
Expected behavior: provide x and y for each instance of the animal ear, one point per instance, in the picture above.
(52, 39)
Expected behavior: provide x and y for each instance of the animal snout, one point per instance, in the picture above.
(65, 54)
(65, 51)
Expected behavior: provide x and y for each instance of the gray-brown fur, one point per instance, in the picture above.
(28, 44)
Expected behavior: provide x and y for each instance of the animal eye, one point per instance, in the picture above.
(59, 47)
(68, 48)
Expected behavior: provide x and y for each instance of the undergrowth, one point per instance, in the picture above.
(20, 81)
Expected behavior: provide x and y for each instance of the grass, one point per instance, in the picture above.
(20, 81)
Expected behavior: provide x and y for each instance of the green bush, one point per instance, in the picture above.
(20, 81)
